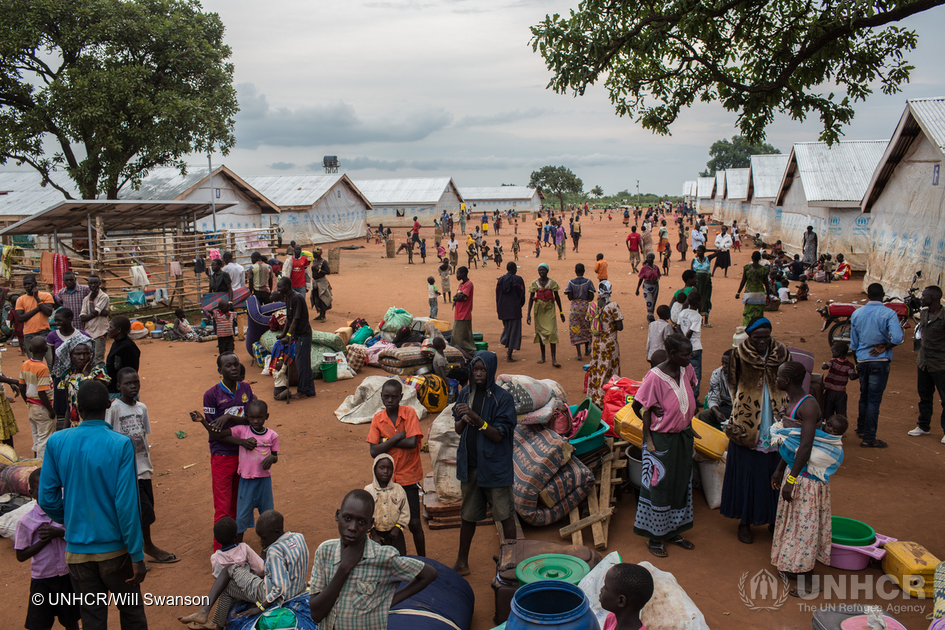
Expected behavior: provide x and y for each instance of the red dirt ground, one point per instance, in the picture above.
(893, 490)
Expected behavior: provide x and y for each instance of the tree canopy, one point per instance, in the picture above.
(118, 87)
(735, 154)
(597, 192)
(755, 57)
(556, 180)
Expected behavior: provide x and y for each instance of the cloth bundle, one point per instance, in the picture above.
(361, 406)
(825, 456)
(322, 342)
(409, 356)
(529, 393)
(542, 461)
(395, 319)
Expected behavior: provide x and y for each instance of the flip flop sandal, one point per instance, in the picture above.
(679, 541)
(168, 559)
(658, 549)
(873, 444)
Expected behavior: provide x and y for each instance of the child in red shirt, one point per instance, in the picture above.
(395, 430)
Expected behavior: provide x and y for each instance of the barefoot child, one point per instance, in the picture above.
(345, 565)
(839, 371)
(441, 365)
(224, 324)
(285, 573)
(497, 254)
(42, 542)
(391, 512)
(444, 270)
(516, 248)
(129, 416)
(396, 430)
(627, 588)
(259, 450)
(432, 293)
(423, 251)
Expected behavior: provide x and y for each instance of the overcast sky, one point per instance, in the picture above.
(423, 88)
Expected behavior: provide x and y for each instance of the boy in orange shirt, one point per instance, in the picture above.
(395, 430)
(600, 267)
(35, 385)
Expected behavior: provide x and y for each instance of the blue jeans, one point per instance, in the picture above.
(873, 377)
(696, 363)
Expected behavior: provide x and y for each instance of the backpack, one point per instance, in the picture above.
(433, 393)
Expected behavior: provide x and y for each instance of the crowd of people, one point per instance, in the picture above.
(783, 444)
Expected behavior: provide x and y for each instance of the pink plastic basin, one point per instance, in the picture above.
(858, 558)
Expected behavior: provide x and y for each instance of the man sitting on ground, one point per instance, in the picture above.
(345, 566)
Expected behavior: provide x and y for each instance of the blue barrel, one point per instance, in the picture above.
(551, 604)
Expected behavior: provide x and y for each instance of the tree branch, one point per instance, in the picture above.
(42, 171)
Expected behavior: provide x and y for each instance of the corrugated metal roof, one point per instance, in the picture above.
(497, 193)
(930, 114)
(166, 183)
(289, 191)
(840, 172)
(425, 190)
(693, 187)
(720, 185)
(705, 187)
(736, 183)
(767, 172)
(24, 195)
(685, 188)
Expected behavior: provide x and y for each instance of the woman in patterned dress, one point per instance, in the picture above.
(650, 282)
(8, 426)
(82, 369)
(755, 284)
(580, 292)
(606, 321)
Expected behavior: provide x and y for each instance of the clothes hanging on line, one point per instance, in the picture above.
(139, 277)
(200, 266)
(47, 265)
(215, 254)
(175, 269)
(61, 265)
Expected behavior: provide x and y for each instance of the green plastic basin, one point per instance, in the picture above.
(551, 566)
(591, 422)
(852, 533)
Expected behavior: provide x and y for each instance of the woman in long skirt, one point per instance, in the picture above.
(664, 510)
(702, 265)
(605, 320)
(543, 293)
(650, 283)
(755, 284)
(580, 292)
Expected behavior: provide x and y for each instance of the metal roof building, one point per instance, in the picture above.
(519, 198)
(705, 188)
(396, 201)
(720, 185)
(767, 171)
(903, 200)
(738, 184)
(22, 194)
(316, 208)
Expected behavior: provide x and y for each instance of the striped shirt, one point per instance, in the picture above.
(224, 323)
(838, 373)
(73, 301)
(364, 601)
(35, 375)
(286, 567)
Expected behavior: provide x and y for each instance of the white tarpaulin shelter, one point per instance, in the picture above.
(247, 208)
(316, 208)
(395, 202)
(705, 193)
(906, 200)
(823, 186)
(501, 198)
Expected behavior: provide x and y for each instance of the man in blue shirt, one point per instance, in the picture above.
(90, 484)
(874, 332)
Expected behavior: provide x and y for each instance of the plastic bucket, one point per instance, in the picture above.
(550, 604)
(591, 422)
(330, 372)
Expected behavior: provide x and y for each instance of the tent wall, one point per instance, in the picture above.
(338, 216)
(908, 224)
(245, 214)
(388, 214)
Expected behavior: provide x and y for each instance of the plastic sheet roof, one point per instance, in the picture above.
(838, 173)
(168, 183)
(116, 215)
(427, 190)
(22, 193)
(736, 183)
(689, 188)
(767, 171)
(923, 115)
(499, 193)
(301, 191)
(706, 187)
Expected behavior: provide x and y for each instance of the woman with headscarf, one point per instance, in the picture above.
(543, 293)
(650, 281)
(580, 292)
(752, 458)
(321, 288)
(667, 403)
(80, 368)
(606, 321)
(755, 283)
(702, 265)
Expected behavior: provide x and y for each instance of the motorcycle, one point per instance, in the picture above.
(837, 314)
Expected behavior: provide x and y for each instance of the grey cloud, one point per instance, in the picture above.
(500, 118)
(410, 5)
(325, 124)
(485, 163)
(282, 166)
